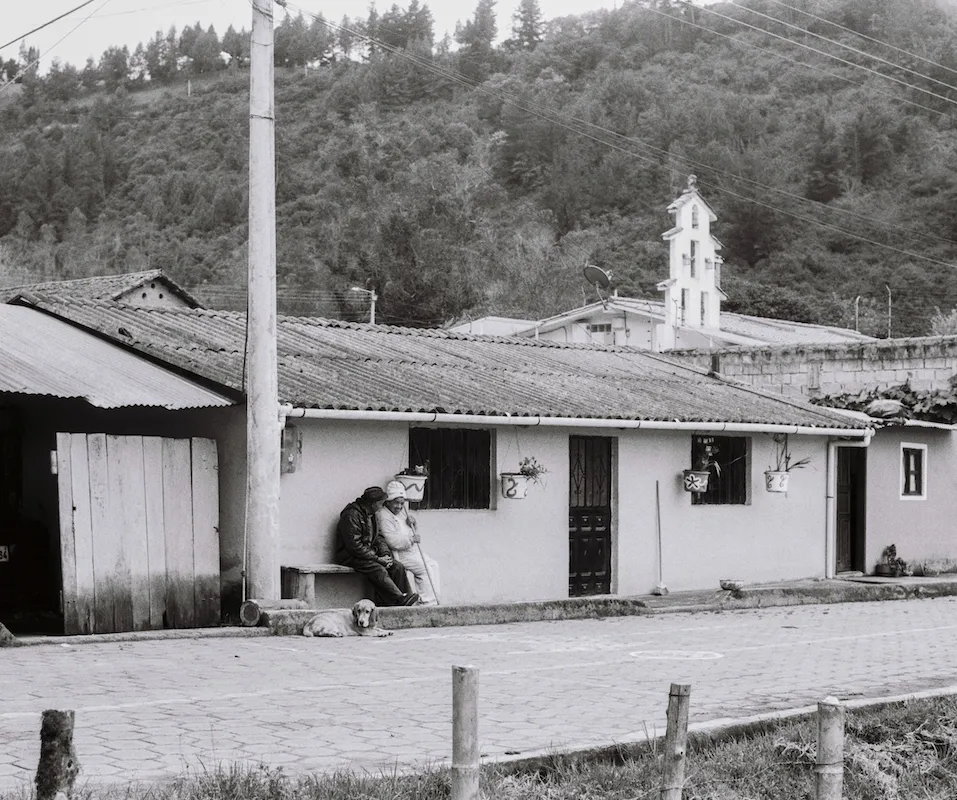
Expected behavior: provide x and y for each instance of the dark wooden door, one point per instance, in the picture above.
(851, 473)
(589, 515)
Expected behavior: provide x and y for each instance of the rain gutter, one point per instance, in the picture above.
(534, 421)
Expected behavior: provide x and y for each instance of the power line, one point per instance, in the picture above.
(849, 47)
(826, 54)
(865, 36)
(31, 65)
(46, 24)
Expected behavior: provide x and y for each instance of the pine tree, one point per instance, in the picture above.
(527, 25)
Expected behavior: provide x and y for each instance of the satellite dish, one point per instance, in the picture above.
(599, 279)
(597, 276)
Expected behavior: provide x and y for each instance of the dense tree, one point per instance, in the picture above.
(477, 58)
(528, 25)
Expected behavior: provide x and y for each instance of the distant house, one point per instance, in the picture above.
(689, 317)
(615, 427)
(146, 289)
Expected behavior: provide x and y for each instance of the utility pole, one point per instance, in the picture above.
(261, 567)
(857, 313)
(372, 298)
(888, 310)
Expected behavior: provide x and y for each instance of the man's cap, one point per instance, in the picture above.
(373, 494)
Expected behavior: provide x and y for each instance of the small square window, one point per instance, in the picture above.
(459, 462)
(728, 459)
(913, 471)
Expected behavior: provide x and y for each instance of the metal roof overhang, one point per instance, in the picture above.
(41, 355)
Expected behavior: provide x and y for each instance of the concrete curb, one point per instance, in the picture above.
(143, 636)
(290, 622)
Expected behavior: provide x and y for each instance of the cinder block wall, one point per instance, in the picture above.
(814, 370)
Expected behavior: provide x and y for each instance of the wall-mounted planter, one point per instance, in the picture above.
(696, 480)
(775, 481)
(514, 485)
(414, 486)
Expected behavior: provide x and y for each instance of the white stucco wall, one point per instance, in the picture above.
(921, 529)
(518, 549)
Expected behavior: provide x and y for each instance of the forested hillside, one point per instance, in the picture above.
(463, 178)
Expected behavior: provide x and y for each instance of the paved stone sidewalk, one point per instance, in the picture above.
(153, 709)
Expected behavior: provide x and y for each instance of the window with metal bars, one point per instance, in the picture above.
(459, 462)
(913, 457)
(728, 458)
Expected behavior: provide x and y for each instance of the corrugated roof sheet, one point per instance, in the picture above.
(41, 355)
(330, 364)
(100, 287)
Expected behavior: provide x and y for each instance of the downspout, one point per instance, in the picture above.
(830, 504)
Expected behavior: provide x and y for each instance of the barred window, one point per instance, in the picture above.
(913, 457)
(728, 460)
(459, 462)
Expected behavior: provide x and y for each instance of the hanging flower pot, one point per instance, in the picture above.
(514, 485)
(414, 486)
(696, 480)
(776, 480)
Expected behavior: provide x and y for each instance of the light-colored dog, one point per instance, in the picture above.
(362, 620)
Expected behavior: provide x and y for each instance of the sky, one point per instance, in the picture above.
(128, 22)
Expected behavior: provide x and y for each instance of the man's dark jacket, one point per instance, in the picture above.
(358, 536)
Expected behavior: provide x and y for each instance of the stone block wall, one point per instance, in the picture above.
(814, 370)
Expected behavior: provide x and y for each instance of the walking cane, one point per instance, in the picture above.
(425, 563)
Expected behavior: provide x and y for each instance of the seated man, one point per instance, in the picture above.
(397, 526)
(359, 546)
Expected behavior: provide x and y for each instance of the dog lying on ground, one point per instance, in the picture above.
(362, 620)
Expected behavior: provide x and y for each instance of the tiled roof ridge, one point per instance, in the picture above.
(130, 278)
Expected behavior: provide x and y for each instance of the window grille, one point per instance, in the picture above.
(459, 463)
(912, 470)
(729, 480)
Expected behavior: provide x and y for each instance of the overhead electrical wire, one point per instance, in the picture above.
(854, 50)
(562, 120)
(46, 24)
(865, 36)
(824, 53)
(32, 64)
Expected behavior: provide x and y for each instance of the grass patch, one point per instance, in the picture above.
(895, 752)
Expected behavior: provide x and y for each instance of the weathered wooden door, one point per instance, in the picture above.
(139, 532)
(851, 474)
(589, 515)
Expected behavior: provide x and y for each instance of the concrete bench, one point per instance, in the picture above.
(326, 585)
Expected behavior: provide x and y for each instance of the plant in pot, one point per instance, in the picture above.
(413, 479)
(890, 564)
(515, 484)
(776, 479)
(698, 477)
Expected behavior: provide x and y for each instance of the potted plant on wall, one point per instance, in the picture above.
(698, 477)
(515, 484)
(776, 480)
(413, 479)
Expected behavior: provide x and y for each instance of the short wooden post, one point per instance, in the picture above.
(465, 741)
(58, 765)
(676, 742)
(829, 764)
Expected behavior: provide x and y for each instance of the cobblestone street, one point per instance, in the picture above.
(151, 709)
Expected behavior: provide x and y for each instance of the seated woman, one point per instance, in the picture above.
(397, 526)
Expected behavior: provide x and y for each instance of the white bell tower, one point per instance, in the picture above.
(693, 288)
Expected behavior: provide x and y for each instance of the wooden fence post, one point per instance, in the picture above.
(465, 741)
(58, 765)
(676, 742)
(830, 749)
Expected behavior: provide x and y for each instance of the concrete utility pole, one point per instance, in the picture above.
(262, 390)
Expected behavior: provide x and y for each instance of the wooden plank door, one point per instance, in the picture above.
(589, 515)
(851, 475)
(139, 532)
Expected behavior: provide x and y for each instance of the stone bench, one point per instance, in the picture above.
(326, 585)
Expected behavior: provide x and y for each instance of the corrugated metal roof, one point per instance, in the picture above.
(329, 364)
(100, 287)
(41, 355)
